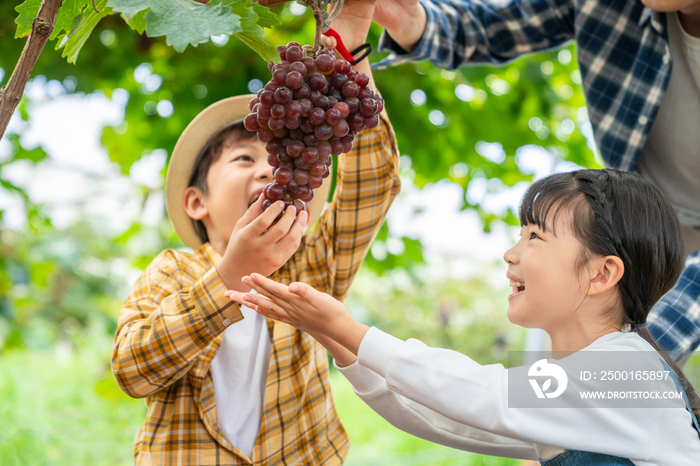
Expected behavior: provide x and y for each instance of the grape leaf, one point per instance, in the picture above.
(27, 14)
(259, 46)
(266, 18)
(253, 33)
(182, 22)
(136, 22)
(64, 20)
(84, 24)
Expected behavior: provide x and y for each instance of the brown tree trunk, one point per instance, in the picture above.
(11, 93)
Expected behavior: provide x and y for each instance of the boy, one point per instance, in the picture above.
(223, 386)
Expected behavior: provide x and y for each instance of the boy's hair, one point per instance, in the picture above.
(618, 213)
(209, 155)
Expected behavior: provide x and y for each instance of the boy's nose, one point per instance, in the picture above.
(264, 171)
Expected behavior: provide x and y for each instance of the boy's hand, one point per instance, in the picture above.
(256, 245)
(298, 304)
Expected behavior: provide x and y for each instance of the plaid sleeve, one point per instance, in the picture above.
(368, 181)
(460, 32)
(167, 321)
(675, 319)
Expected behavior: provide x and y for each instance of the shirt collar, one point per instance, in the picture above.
(207, 252)
(654, 17)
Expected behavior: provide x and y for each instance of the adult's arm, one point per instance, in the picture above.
(675, 318)
(460, 32)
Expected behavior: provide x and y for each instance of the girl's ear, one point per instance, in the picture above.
(607, 272)
(192, 202)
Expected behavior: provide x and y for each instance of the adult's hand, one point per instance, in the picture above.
(404, 20)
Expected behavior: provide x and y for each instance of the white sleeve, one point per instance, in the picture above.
(428, 424)
(469, 394)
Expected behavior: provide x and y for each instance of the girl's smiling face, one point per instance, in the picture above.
(543, 268)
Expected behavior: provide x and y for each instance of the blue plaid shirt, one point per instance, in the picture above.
(625, 65)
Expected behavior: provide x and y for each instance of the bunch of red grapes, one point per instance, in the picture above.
(312, 107)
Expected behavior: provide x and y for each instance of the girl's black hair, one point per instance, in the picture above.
(618, 213)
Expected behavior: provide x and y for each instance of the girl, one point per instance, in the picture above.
(598, 249)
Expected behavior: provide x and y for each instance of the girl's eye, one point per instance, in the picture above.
(243, 158)
(533, 235)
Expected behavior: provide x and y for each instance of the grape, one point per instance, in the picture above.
(350, 89)
(273, 161)
(317, 168)
(295, 148)
(276, 123)
(251, 122)
(315, 182)
(293, 53)
(273, 147)
(361, 79)
(368, 106)
(283, 95)
(299, 67)
(274, 191)
(301, 176)
(277, 111)
(302, 93)
(294, 79)
(309, 154)
(284, 175)
(342, 128)
(323, 131)
(292, 123)
(265, 111)
(311, 108)
(343, 108)
(333, 116)
(324, 63)
(299, 162)
(280, 76)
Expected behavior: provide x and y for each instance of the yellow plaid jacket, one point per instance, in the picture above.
(172, 324)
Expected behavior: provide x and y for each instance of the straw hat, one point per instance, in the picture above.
(191, 142)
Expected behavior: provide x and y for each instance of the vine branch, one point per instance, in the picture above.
(11, 93)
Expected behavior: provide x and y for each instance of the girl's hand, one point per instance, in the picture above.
(305, 308)
(298, 305)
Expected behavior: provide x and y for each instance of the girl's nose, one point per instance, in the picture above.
(510, 256)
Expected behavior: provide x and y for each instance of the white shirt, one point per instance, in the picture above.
(239, 371)
(445, 397)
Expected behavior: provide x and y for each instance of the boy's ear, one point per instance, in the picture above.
(192, 202)
(606, 274)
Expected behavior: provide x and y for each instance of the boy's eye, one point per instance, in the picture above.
(534, 235)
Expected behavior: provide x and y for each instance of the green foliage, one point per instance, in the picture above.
(182, 22)
(83, 26)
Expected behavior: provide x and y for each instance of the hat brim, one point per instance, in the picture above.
(190, 143)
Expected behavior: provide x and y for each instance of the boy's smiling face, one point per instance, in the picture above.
(234, 181)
